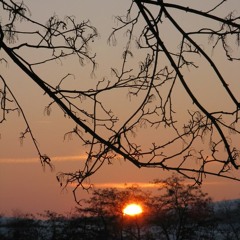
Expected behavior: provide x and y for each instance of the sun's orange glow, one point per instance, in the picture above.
(132, 209)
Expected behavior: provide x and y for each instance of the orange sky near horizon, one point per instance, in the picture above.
(27, 188)
(24, 185)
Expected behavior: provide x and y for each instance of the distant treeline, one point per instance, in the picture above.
(177, 212)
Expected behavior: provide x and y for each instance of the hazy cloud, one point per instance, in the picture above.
(36, 160)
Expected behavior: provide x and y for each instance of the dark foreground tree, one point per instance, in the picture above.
(168, 67)
(177, 211)
(182, 211)
(106, 206)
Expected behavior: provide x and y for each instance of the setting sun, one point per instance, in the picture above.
(132, 209)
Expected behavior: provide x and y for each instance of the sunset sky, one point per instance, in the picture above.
(24, 185)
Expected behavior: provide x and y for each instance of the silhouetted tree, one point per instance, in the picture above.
(182, 211)
(105, 206)
(187, 134)
(228, 219)
(178, 211)
(3, 228)
(54, 225)
(78, 227)
(22, 227)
